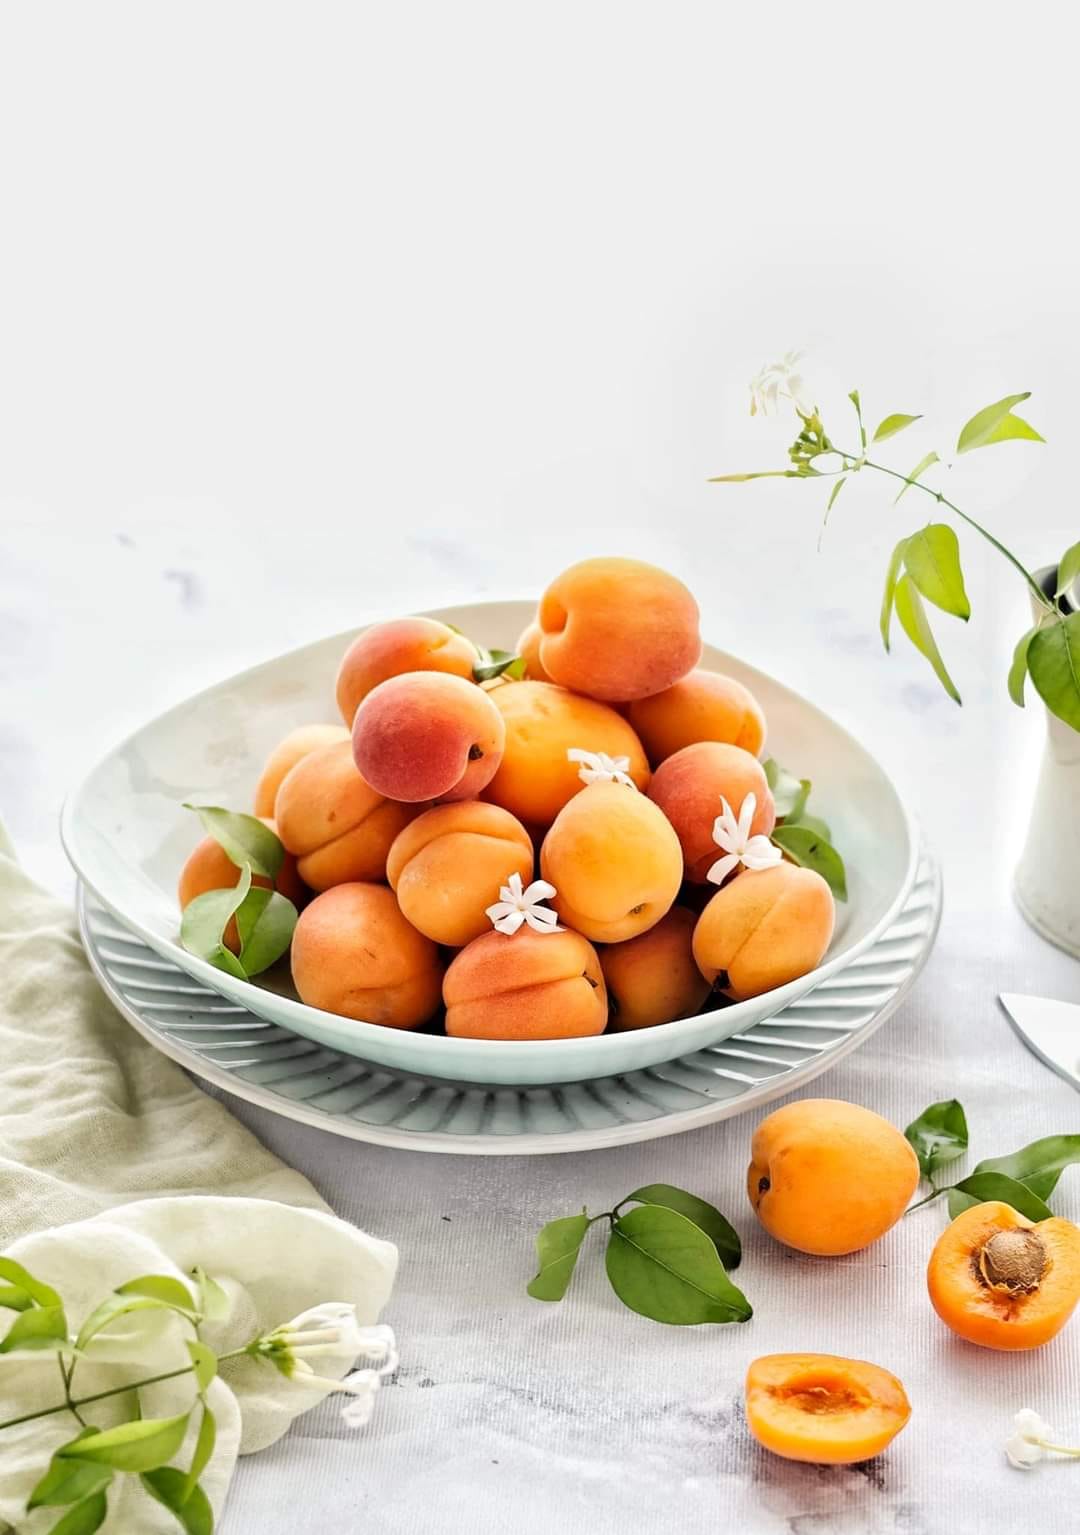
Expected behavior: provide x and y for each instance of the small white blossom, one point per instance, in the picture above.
(776, 379)
(516, 906)
(739, 847)
(1026, 1446)
(332, 1328)
(598, 767)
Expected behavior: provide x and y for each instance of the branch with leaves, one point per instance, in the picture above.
(1024, 1179)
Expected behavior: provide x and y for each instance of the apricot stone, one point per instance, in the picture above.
(653, 978)
(614, 861)
(428, 736)
(543, 722)
(447, 867)
(339, 827)
(209, 867)
(526, 986)
(689, 786)
(764, 928)
(617, 629)
(354, 953)
(281, 761)
(703, 706)
(402, 645)
(528, 646)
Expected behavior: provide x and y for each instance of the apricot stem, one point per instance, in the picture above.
(926, 1200)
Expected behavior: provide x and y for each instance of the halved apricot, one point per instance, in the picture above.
(823, 1408)
(1002, 1281)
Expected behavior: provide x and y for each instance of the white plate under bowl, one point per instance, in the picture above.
(292, 1076)
(127, 837)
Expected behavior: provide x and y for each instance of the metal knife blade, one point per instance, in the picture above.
(1050, 1029)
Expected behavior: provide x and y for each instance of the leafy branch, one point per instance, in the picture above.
(245, 929)
(1025, 1179)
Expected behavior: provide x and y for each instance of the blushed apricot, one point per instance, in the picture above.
(653, 978)
(528, 645)
(525, 986)
(402, 645)
(1002, 1281)
(823, 1408)
(617, 629)
(535, 777)
(764, 928)
(702, 706)
(208, 867)
(354, 953)
(689, 786)
(447, 867)
(338, 826)
(829, 1177)
(428, 735)
(281, 761)
(614, 861)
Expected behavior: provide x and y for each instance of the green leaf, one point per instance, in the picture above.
(66, 1481)
(978, 1187)
(810, 850)
(14, 1299)
(706, 1217)
(939, 1135)
(896, 565)
(789, 793)
(204, 1449)
(916, 625)
(919, 469)
(893, 424)
(115, 1306)
(1039, 1165)
(141, 1446)
(191, 1508)
(41, 1294)
(265, 920)
(45, 1327)
(981, 428)
(1019, 669)
(243, 838)
(854, 398)
(204, 920)
(557, 1248)
(162, 1287)
(214, 1303)
(1054, 664)
(1068, 570)
(84, 1518)
(495, 662)
(663, 1266)
(1011, 427)
(837, 488)
(762, 474)
(205, 1361)
(813, 823)
(932, 560)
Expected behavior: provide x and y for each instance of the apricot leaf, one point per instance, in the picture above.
(1068, 570)
(1019, 669)
(1053, 660)
(815, 824)
(84, 1517)
(496, 663)
(916, 625)
(810, 850)
(39, 1292)
(913, 478)
(939, 1135)
(141, 1446)
(978, 1187)
(932, 560)
(265, 920)
(190, 1505)
(663, 1266)
(43, 1327)
(557, 1248)
(69, 1481)
(789, 793)
(984, 424)
(893, 424)
(204, 1447)
(1039, 1165)
(204, 920)
(706, 1217)
(892, 576)
(244, 839)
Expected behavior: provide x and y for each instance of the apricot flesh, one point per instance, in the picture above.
(527, 985)
(448, 865)
(829, 1177)
(402, 645)
(1004, 1282)
(702, 706)
(652, 978)
(689, 787)
(208, 867)
(617, 629)
(823, 1408)
(428, 736)
(614, 861)
(764, 928)
(281, 761)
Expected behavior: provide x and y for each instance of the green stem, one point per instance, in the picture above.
(65, 1376)
(926, 1200)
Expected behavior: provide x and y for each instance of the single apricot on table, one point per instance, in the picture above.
(286, 754)
(1002, 1281)
(209, 867)
(428, 736)
(702, 706)
(829, 1177)
(653, 978)
(823, 1408)
(401, 645)
(525, 985)
(764, 928)
(689, 787)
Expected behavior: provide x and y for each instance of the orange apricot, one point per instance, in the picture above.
(828, 1177)
(527, 985)
(653, 978)
(689, 787)
(528, 645)
(281, 761)
(339, 827)
(208, 867)
(823, 1408)
(1002, 1281)
(614, 861)
(617, 629)
(402, 645)
(764, 928)
(354, 953)
(447, 867)
(428, 736)
(702, 706)
(543, 722)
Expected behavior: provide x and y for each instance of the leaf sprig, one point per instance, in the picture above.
(805, 838)
(1025, 1179)
(264, 918)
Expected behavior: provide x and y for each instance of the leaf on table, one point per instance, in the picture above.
(243, 839)
(939, 1135)
(706, 1217)
(978, 1187)
(915, 475)
(916, 625)
(932, 560)
(663, 1266)
(806, 847)
(1039, 1165)
(557, 1248)
(1053, 660)
(141, 1446)
(893, 424)
(985, 423)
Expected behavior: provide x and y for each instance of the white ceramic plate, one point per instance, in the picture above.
(127, 837)
(292, 1076)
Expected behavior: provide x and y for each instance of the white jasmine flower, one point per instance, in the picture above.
(332, 1328)
(1032, 1441)
(780, 379)
(739, 847)
(516, 906)
(598, 767)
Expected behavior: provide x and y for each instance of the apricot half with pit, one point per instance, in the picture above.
(823, 1408)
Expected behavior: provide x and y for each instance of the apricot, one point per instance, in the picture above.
(543, 722)
(286, 754)
(447, 867)
(527, 985)
(614, 861)
(823, 1408)
(828, 1177)
(354, 953)
(702, 706)
(617, 629)
(528, 645)
(689, 786)
(428, 735)
(764, 928)
(339, 827)
(653, 978)
(1002, 1281)
(402, 645)
(209, 867)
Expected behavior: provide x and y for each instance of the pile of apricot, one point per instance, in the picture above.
(406, 822)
